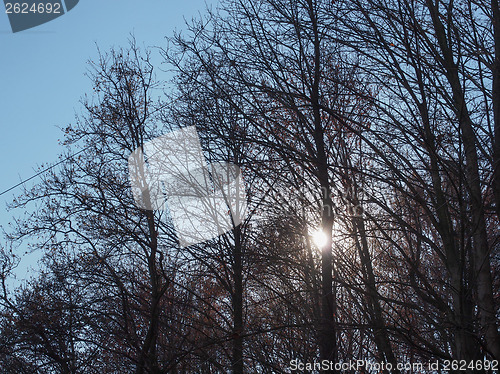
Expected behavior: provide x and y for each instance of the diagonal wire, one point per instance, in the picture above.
(43, 171)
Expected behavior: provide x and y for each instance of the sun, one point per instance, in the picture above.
(319, 238)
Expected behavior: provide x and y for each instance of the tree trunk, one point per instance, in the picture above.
(237, 359)
(496, 105)
(148, 351)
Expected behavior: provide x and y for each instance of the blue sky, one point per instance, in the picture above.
(42, 73)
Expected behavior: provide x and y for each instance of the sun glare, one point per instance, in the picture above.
(319, 238)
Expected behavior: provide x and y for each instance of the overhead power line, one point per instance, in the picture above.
(43, 171)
